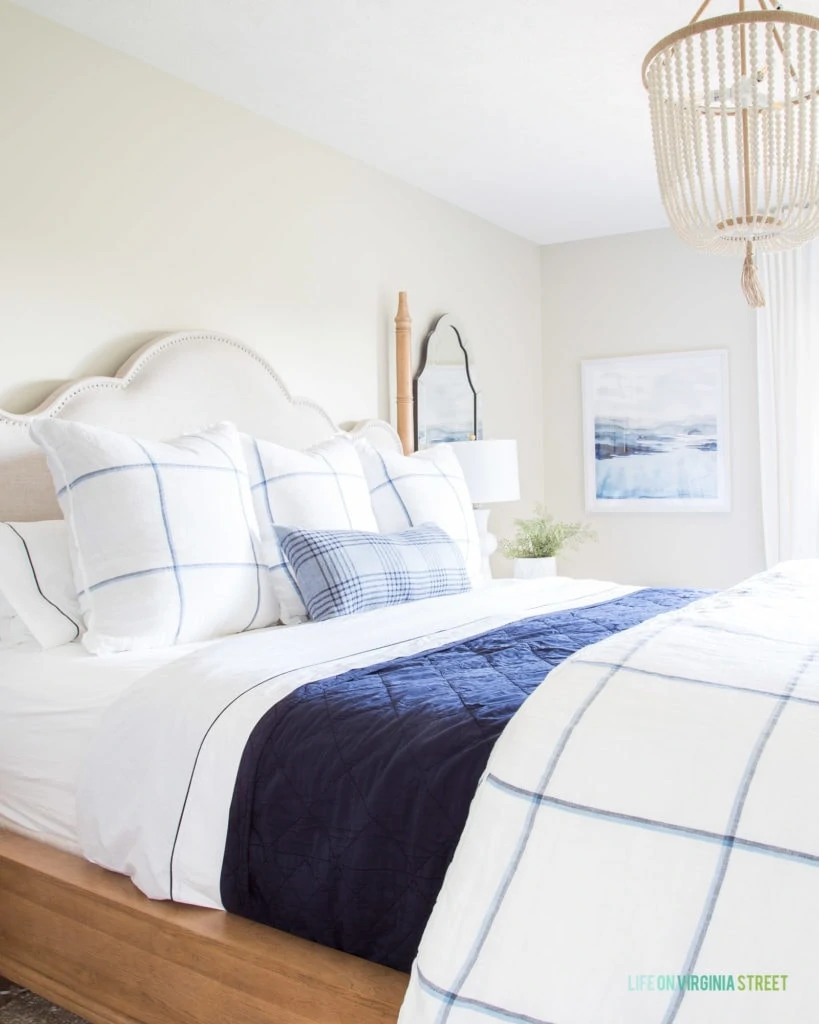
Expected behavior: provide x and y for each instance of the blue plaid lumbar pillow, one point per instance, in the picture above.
(340, 572)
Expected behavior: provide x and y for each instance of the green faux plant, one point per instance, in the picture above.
(543, 536)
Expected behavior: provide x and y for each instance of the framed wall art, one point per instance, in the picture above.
(656, 431)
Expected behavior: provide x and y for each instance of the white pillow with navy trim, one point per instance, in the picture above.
(13, 631)
(322, 488)
(37, 580)
(163, 538)
(427, 487)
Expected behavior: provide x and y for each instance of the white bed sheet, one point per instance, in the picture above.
(51, 704)
(154, 799)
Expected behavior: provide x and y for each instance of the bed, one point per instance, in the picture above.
(73, 932)
(201, 741)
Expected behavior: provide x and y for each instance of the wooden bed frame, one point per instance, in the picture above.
(81, 936)
(89, 941)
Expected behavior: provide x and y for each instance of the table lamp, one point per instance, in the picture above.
(491, 472)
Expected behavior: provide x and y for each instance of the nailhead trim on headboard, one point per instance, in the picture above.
(26, 491)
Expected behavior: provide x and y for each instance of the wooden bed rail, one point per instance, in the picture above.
(89, 941)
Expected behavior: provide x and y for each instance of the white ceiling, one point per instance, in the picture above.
(530, 113)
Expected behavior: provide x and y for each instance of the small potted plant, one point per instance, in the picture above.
(539, 540)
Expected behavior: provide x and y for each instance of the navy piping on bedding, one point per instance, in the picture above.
(48, 600)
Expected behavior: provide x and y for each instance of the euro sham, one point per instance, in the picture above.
(427, 487)
(163, 538)
(322, 488)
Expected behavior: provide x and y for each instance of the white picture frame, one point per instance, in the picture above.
(656, 432)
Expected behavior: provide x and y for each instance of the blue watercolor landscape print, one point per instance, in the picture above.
(657, 426)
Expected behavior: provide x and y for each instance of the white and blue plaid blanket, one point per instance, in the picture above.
(644, 845)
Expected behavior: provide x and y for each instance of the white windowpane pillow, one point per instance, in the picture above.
(322, 488)
(37, 580)
(427, 487)
(162, 535)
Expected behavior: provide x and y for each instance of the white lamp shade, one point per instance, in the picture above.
(490, 469)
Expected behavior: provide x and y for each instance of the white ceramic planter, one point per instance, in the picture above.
(533, 568)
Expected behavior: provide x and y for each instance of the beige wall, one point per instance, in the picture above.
(633, 294)
(132, 204)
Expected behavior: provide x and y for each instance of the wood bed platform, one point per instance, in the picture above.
(89, 941)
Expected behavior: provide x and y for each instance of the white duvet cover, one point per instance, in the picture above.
(155, 794)
(644, 845)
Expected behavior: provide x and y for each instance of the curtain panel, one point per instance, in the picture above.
(788, 374)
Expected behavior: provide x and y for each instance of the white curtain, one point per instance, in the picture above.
(788, 367)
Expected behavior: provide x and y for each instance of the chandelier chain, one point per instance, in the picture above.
(703, 7)
(707, 3)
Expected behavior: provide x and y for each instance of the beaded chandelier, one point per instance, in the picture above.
(735, 116)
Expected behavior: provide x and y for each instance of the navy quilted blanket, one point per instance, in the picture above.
(353, 791)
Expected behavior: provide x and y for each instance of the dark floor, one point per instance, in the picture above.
(17, 1006)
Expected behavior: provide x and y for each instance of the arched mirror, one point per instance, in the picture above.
(447, 403)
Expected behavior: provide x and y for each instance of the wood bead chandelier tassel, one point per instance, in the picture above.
(735, 117)
(751, 286)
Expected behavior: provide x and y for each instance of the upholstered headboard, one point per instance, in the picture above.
(171, 386)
